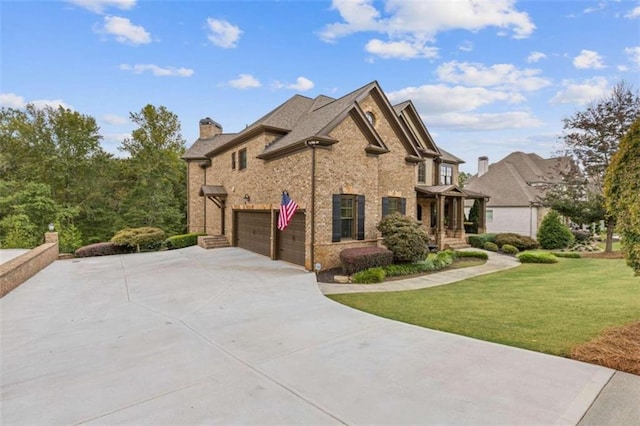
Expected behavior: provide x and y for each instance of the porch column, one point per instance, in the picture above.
(460, 216)
(482, 216)
(440, 231)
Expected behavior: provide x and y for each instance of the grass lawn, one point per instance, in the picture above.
(546, 308)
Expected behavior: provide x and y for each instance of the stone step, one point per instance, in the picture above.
(213, 241)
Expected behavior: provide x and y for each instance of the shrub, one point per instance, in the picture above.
(490, 246)
(567, 254)
(521, 242)
(101, 249)
(553, 234)
(369, 276)
(69, 238)
(581, 236)
(537, 257)
(358, 259)
(471, 253)
(509, 249)
(183, 240)
(145, 238)
(442, 259)
(17, 231)
(405, 237)
(478, 241)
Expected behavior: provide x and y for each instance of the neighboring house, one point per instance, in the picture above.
(516, 185)
(347, 162)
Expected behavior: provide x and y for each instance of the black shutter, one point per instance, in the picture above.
(385, 206)
(336, 231)
(403, 206)
(360, 233)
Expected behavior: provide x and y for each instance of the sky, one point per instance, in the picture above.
(487, 77)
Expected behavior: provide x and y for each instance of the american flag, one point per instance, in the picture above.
(288, 208)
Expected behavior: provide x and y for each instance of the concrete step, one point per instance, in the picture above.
(213, 241)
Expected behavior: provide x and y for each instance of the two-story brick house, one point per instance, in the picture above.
(347, 162)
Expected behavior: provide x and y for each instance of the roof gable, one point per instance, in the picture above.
(409, 116)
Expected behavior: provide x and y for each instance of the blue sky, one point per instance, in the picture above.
(488, 77)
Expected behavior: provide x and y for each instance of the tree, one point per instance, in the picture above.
(553, 234)
(155, 172)
(622, 192)
(463, 178)
(591, 139)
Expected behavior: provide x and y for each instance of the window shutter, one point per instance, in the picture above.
(360, 233)
(336, 231)
(403, 206)
(385, 206)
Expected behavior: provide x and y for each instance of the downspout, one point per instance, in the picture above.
(312, 144)
(204, 200)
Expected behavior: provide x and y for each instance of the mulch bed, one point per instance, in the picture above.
(617, 348)
(603, 255)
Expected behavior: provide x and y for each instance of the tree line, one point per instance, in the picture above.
(53, 169)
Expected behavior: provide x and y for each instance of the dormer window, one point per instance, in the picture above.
(370, 117)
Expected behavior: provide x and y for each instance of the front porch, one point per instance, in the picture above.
(440, 208)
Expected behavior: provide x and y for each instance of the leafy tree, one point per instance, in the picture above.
(591, 139)
(622, 191)
(553, 234)
(404, 237)
(17, 231)
(155, 172)
(462, 178)
(32, 200)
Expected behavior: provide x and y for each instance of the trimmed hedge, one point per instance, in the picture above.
(521, 242)
(490, 246)
(369, 276)
(405, 237)
(101, 249)
(146, 238)
(471, 253)
(509, 249)
(183, 240)
(478, 241)
(358, 259)
(537, 257)
(567, 254)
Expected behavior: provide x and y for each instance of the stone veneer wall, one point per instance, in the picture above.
(18, 270)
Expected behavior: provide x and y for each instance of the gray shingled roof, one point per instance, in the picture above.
(449, 157)
(202, 147)
(519, 179)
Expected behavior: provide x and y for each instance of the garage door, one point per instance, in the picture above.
(290, 242)
(253, 231)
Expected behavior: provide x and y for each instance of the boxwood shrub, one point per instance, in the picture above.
(567, 254)
(490, 246)
(537, 257)
(183, 240)
(509, 249)
(521, 242)
(358, 259)
(144, 238)
(471, 253)
(369, 276)
(478, 241)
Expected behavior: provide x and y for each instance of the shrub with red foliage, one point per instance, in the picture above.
(101, 249)
(361, 258)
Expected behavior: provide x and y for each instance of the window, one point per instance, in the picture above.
(446, 175)
(489, 215)
(242, 159)
(233, 161)
(348, 217)
(370, 117)
(392, 205)
(422, 172)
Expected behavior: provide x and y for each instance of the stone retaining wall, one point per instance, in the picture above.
(18, 270)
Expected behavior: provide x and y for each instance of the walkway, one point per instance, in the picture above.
(496, 262)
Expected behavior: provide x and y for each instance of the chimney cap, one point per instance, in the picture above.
(208, 120)
(484, 157)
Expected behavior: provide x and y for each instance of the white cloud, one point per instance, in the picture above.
(439, 99)
(633, 13)
(581, 93)
(483, 121)
(115, 120)
(588, 59)
(124, 31)
(536, 56)
(245, 81)
(223, 33)
(466, 46)
(424, 20)
(600, 6)
(98, 6)
(302, 84)
(634, 55)
(157, 70)
(400, 49)
(11, 100)
(504, 76)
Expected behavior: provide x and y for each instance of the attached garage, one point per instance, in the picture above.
(290, 242)
(253, 231)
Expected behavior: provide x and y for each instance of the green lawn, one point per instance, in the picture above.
(545, 308)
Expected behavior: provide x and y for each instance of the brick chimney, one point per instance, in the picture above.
(483, 165)
(209, 128)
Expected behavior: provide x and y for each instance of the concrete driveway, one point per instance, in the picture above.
(226, 336)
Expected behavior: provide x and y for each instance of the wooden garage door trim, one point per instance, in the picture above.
(253, 231)
(290, 243)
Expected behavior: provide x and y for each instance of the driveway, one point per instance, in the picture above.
(227, 336)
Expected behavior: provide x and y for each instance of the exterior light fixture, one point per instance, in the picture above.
(246, 198)
(51, 227)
